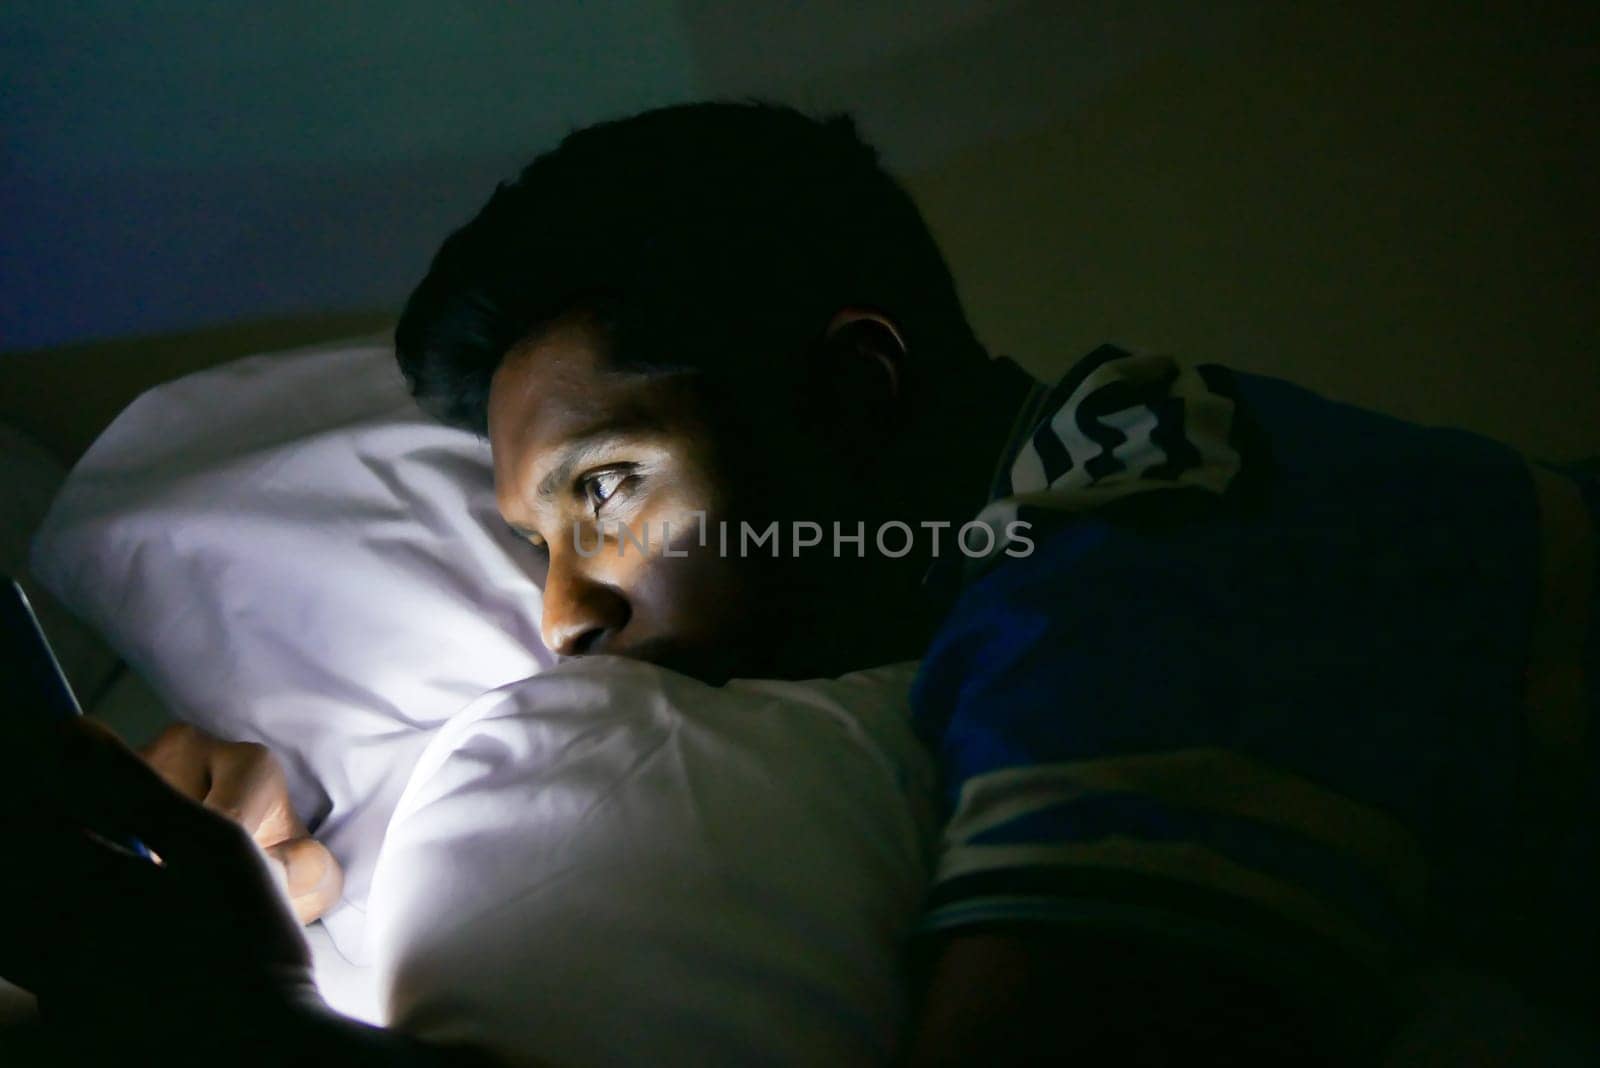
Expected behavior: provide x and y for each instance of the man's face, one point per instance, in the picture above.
(614, 475)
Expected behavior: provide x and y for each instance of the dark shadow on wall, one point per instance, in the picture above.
(1394, 206)
(107, 255)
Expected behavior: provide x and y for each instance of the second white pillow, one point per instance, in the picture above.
(611, 864)
(291, 553)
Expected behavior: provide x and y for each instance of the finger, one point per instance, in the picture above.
(313, 878)
(107, 788)
(248, 788)
(178, 756)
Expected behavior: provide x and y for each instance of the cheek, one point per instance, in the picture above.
(684, 588)
(697, 598)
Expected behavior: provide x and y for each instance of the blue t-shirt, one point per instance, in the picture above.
(1278, 675)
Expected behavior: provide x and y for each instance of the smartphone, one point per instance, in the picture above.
(36, 676)
(38, 690)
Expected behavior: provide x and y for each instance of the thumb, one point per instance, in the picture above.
(312, 877)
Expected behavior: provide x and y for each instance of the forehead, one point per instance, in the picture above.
(555, 382)
(560, 386)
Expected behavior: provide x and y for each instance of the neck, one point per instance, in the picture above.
(951, 454)
(960, 438)
(873, 610)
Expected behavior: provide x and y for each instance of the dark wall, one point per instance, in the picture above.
(169, 164)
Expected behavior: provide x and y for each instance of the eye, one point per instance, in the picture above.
(534, 540)
(600, 486)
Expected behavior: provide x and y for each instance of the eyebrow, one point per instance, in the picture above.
(581, 449)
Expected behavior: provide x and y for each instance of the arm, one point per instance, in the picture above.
(1142, 857)
(1030, 994)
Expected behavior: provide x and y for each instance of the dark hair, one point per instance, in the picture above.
(715, 236)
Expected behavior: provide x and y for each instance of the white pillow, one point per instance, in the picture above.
(606, 863)
(291, 553)
(613, 864)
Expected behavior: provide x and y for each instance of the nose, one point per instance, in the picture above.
(581, 615)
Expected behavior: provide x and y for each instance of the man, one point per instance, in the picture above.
(1227, 683)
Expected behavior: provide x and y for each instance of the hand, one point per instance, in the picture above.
(245, 782)
(198, 959)
(119, 948)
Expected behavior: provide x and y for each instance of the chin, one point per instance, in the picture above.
(708, 665)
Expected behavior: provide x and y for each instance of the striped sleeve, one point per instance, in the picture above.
(1200, 843)
(1120, 423)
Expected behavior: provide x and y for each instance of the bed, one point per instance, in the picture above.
(53, 405)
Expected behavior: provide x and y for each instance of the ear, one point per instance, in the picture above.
(859, 373)
(872, 336)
